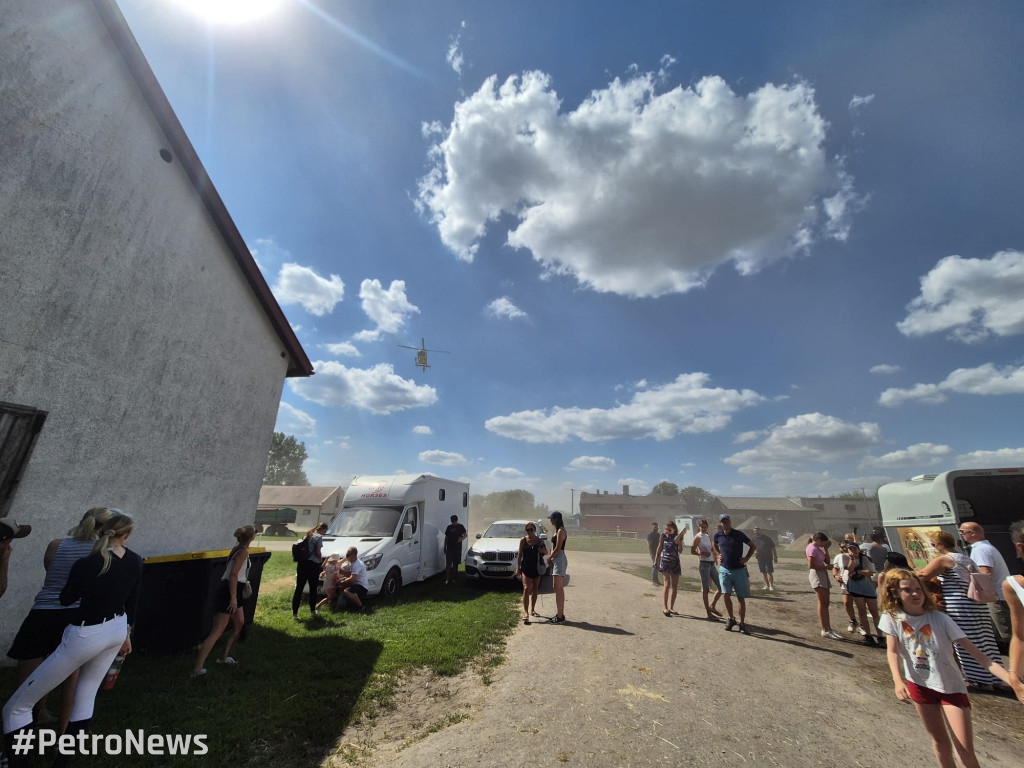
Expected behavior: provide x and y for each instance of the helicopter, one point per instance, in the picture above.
(421, 353)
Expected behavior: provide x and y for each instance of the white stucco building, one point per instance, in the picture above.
(137, 335)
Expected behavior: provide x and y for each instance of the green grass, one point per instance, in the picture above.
(602, 544)
(300, 683)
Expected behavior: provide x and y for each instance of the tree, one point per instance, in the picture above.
(284, 462)
(698, 501)
(665, 488)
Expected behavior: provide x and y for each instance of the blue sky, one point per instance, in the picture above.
(763, 248)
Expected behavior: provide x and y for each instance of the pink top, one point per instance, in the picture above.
(819, 557)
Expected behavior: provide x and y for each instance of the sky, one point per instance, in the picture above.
(763, 248)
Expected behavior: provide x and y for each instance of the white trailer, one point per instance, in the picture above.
(397, 523)
(912, 509)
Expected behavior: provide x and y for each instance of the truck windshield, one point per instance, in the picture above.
(365, 521)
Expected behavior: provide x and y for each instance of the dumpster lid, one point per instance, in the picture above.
(209, 554)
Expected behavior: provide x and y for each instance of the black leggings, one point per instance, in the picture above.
(307, 572)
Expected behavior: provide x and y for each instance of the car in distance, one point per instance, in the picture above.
(493, 554)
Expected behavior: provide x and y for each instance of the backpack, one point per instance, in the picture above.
(300, 550)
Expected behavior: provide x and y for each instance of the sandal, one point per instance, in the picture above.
(667, 613)
(226, 660)
(534, 613)
(200, 673)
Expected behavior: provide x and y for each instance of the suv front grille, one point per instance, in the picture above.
(506, 556)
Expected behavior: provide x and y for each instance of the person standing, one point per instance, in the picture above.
(951, 568)
(228, 601)
(1015, 600)
(107, 584)
(767, 558)
(531, 550)
(454, 535)
(307, 571)
(702, 547)
(653, 540)
(819, 572)
(9, 530)
(43, 629)
(559, 564)
(990, 561)
(732, 569)
(668, 563)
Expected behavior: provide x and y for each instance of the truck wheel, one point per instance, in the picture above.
(391, 585)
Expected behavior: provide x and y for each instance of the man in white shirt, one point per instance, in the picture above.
(353, 587)
(990, 561)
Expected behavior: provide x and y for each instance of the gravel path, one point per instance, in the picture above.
(622, 685)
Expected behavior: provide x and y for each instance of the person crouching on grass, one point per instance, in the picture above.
(922, 637)
(353, 587)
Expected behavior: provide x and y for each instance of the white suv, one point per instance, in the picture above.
(493, 555)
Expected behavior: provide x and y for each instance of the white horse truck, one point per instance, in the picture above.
(993, 498)
(397, 523)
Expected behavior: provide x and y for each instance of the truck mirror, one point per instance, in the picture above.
(479, 535)
(407, 531)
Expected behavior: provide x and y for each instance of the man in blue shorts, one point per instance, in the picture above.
(732, 569)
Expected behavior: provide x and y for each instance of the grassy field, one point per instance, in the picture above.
(300, 683)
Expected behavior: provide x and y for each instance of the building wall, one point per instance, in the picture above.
(123, 313)
(838, 517)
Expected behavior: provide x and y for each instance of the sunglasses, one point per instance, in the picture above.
(530, 530)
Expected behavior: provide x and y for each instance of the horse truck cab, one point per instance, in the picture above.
(397, 522)
(913, 509)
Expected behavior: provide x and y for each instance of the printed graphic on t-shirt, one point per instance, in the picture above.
(918, 651)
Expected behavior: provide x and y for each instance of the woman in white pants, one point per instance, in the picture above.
(107, 583)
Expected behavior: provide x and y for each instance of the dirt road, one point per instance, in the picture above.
(622, 685)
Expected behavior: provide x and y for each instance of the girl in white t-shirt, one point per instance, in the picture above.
(922, 638)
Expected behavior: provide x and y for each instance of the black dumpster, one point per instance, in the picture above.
(175, 611)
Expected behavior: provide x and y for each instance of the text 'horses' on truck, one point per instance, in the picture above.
(397, 523)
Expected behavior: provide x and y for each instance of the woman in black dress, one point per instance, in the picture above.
(531, 550)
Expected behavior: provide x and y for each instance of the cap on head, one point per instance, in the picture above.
(724, 517)
(555, 516)
(897, 559)
(9, 529)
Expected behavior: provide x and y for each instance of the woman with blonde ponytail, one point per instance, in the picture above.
(107, 584)
(228, 602)
(43, 628)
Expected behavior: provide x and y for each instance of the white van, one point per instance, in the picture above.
(397, 523)
(912, 509)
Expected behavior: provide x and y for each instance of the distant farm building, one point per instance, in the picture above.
(143, 354)
(312, 504)
(623, 512)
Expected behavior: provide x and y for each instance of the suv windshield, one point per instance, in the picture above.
(505, 531)
(365, 521)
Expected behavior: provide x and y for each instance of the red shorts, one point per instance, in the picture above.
(923, 695)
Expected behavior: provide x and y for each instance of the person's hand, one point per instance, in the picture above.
(902, 693)
(126, 646)
(232, 606)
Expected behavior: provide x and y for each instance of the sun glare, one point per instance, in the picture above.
(230, 11)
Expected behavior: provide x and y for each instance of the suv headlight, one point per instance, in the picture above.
(372, 561)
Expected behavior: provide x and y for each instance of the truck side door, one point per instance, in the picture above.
(408, 549)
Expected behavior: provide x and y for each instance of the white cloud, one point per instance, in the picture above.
(505, 473)
(378, 389)
(301, 285)
(292, 421)
(860, 101)
(504, 307)
(454, 57)
(1002, 457)
(343, 349)
(389, 308)
(971, 298)
(686, 405)
(808, 438)
(443, 458)
(638, 192)
(600, 463)
(918, 455)
(747, 437)
(986, 379)
(885, 369)
(422, 430)
(268, 254)
(637, 487)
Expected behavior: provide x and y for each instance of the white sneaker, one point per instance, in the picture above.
(852, 627)
(831, 634)
(862, 631)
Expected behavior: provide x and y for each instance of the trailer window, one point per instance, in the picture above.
(440, 494)
(465, 499)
